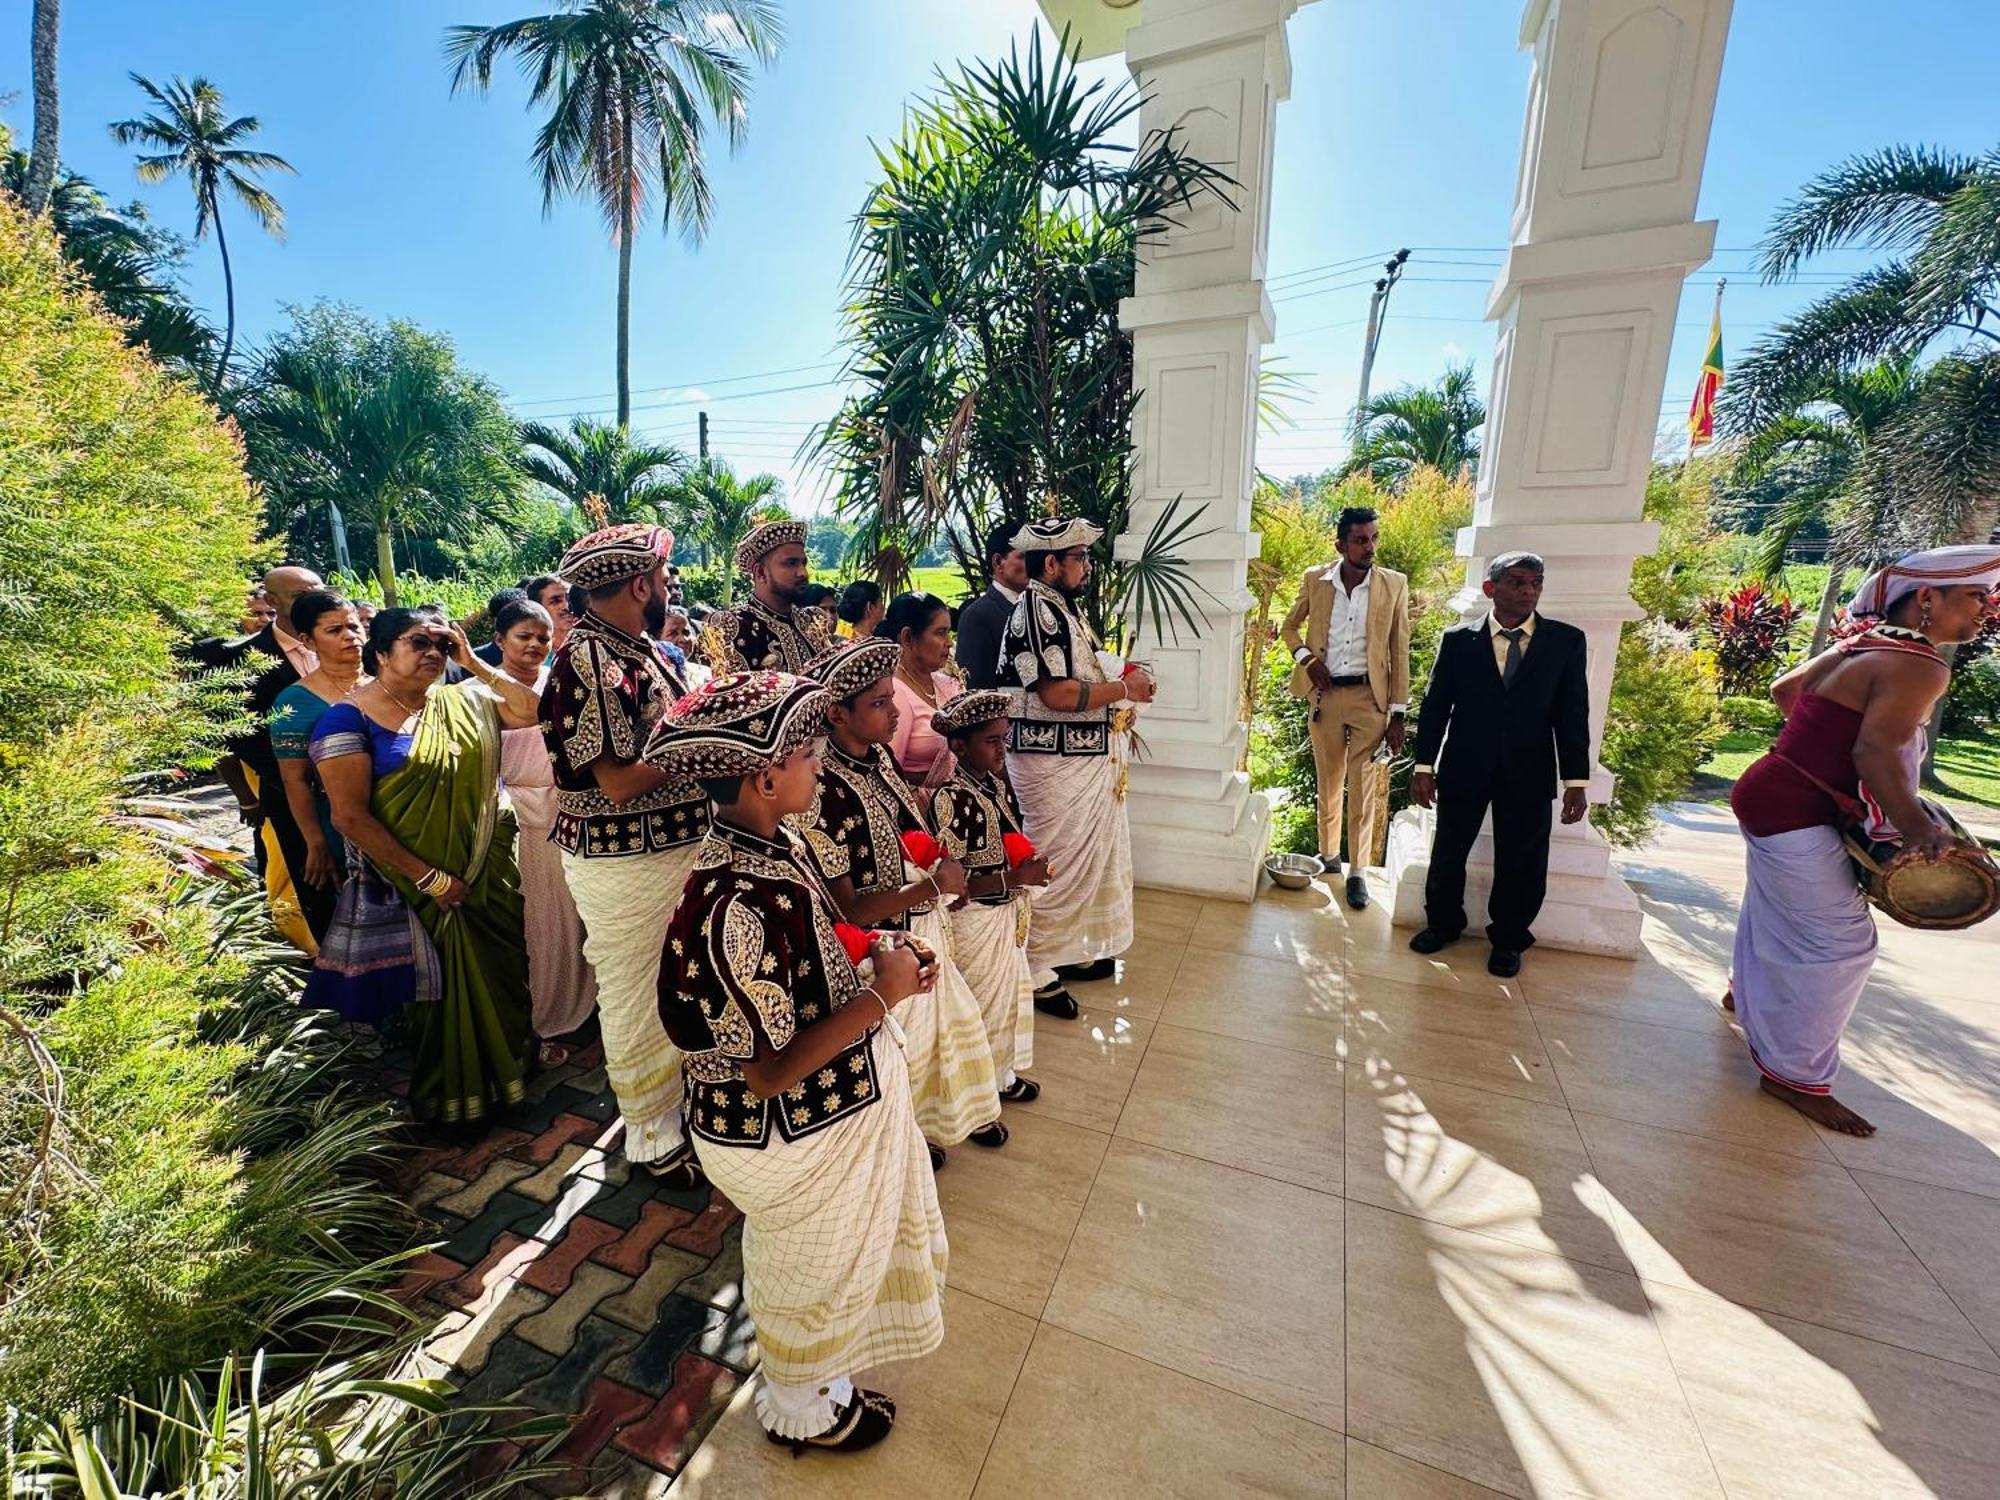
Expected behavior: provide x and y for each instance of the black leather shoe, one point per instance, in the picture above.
(1090, 973)
(1357, 893)
(1430, 940)
(1056, 1001)
(1505, 962)
(1329, 864)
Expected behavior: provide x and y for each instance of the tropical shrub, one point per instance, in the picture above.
(1662, 723)
(1749, 629)
(1758, 714)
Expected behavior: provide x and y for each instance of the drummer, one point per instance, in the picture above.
(1851, 749)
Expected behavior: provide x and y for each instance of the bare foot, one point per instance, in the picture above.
(1821, 1109)
(1729, 1000)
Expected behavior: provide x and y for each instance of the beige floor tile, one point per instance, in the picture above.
(1272, 1001)
(1477, 1161)
(1643, 989)
(1461, 967)
(1487, 1041)
(1956, 1236)
(1789, 1409)
(1278, 925)
(1160, 1262)
(1524, 1372)
(948, 1406)
(1680, 1080)
(1163, 916)
(1145, 975)
(1790, 1236)
(1935, 1122)
(1008, 1213)
(1085, 1066)
(1377, 1474)
(1089, 1420)
(1264, 1109)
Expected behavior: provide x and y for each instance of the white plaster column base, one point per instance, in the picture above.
(1588, 908)
(1224, 864)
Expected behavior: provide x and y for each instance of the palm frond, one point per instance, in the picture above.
(1886, 200)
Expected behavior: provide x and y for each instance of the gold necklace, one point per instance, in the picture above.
(925, 691)
(407, 710)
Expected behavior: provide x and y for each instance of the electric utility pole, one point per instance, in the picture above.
(701, 427)
(1378, 304)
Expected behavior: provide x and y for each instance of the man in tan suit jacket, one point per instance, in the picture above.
(1349, 636)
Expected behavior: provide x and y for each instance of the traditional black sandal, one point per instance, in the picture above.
(990, 1136)
(680, 1172)
(862, 1423)
(937, 1157)
(1056, 1001)
(1090, 973)
(1021, 1091)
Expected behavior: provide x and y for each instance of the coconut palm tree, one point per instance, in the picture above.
(720, 509)
(1932, 469)
(631, 87)
(41, 175)
(1819, 447)
(1413, 426)
(637, 481)
(194, 135)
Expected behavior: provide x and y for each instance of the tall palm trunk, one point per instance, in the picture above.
(42, 157)
(385, 560)
(625, 228)
(1829, 601)
(228, 295)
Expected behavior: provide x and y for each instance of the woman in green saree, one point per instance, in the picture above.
(412, 768)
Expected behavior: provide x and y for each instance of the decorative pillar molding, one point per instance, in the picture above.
(1603, 236)
(1213, 71)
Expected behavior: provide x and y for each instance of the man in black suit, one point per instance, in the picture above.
(1511, 689)
(983, 621)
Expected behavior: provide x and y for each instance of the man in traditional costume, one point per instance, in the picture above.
(975, 814)
(798, 1097)
(771, 630)
(856, 825)
(628, 833)
(1850, 751)
(1065, 767)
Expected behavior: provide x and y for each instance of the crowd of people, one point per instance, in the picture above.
(809, 878)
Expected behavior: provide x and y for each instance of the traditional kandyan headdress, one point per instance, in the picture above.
(615, 554)
(847, 668)
(969, 710)
(766, 539)
(1056, 535)
(1938, 568)
(736, 725)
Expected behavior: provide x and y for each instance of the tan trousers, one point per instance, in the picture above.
(1345, 734)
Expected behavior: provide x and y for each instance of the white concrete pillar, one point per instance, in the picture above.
(1603, 236)
(1213, 71)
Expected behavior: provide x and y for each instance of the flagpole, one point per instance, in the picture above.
(1701, 412)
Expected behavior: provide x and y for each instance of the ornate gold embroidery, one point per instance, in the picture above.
(742, 938)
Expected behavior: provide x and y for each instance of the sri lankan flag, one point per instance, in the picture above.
(1701, 412)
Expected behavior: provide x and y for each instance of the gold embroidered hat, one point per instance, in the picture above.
(1938, 568)
(615, 554)
(736, 725)
(1058, 534)
(968, 711)
(853, 665)
(766, 539)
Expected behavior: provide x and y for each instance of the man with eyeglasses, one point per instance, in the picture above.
(1066, 762)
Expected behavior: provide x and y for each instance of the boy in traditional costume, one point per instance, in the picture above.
(979, 823)
(1851, 750)
(857, 825)
(798, 1097)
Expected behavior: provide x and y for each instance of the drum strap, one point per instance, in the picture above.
(1853, 810)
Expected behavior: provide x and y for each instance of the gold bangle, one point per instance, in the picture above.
(869, 989)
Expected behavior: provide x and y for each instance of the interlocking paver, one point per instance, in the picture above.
(553, 1270)
(561, 1387)
(554, 1328)
(510, 1255)
(665, 1439)
(424, 1272)
(471, 1200)
(513, 1365)
(473, 1159)
(607, 1406)
(680, 1325)
(720, 1282)
(634, 1249)
(467, 1346)
(704, 1235)
(470, 1240)
(640, 1307)
(543, 1148)
(573, 1160)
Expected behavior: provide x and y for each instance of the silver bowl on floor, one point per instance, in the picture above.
(1293, 872)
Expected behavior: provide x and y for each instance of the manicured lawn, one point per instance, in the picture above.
(1968, 768)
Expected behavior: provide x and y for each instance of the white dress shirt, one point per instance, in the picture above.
(1347, 631)
(1500, 645)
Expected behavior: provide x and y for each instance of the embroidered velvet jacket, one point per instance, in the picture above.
(974, 813)
(754, 637)
(1047, 638)
(605, 691)
(857, 821)
(751, 958)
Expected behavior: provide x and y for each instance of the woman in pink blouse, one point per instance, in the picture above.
(921, 625)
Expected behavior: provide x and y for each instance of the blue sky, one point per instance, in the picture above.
(1401, 130)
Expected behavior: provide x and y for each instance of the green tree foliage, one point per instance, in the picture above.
(982, 326)
(1663, 721)
(719, 510)
(1415, 427)
(192, 133)
(635, 480)
(374, 432)
(631, 87)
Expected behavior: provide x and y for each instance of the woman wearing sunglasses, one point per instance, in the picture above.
(412, 768)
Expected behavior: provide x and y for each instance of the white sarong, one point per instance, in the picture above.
(1073, 814)
(844, 1247)
(626, 901)
(995, 965)
(1805, 942)
(951, 1067)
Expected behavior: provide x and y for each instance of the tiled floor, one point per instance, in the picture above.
(1304, 1214)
